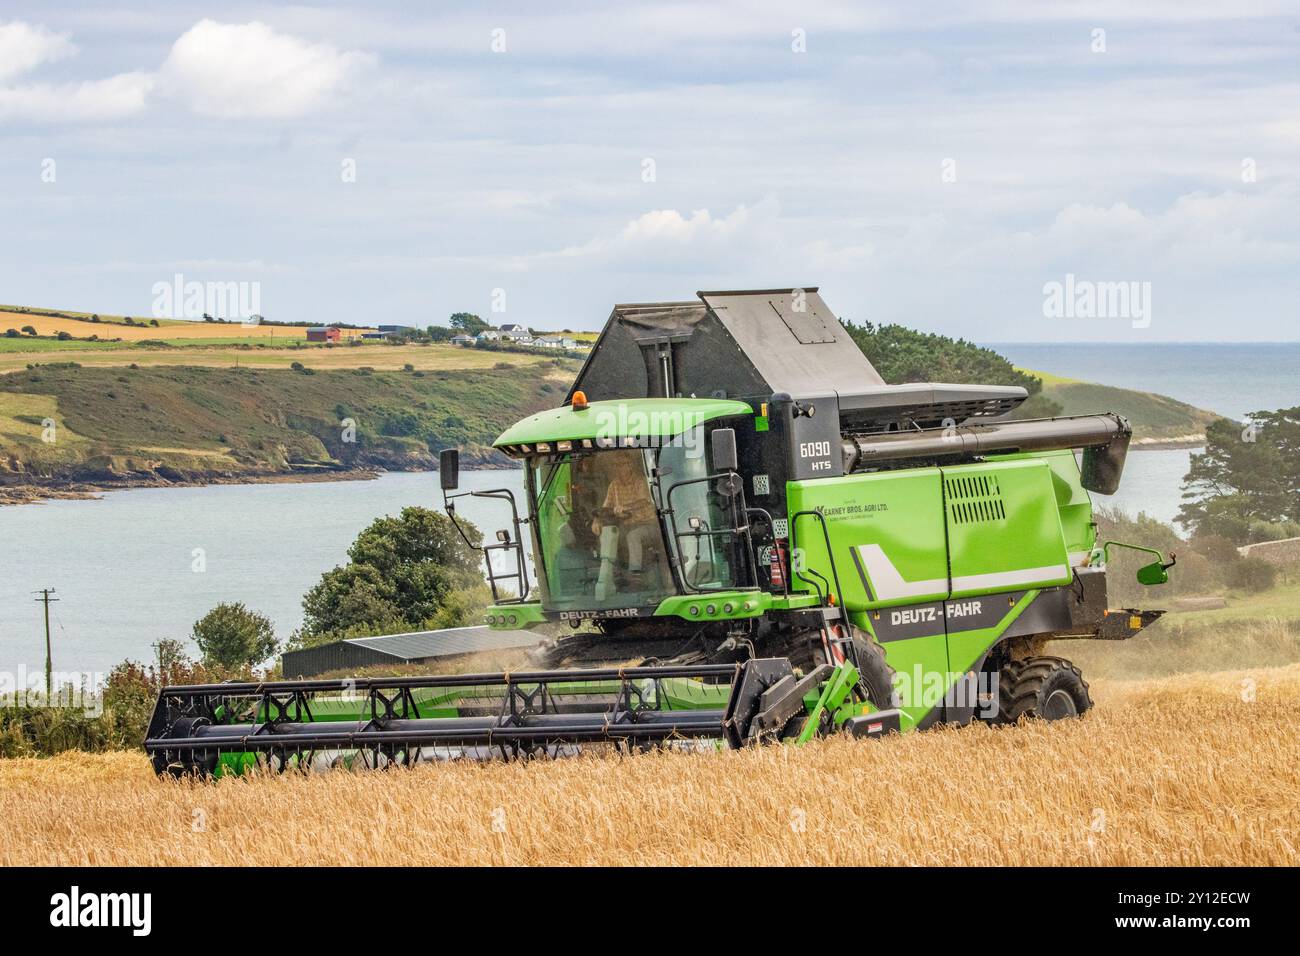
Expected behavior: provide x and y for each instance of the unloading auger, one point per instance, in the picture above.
(218, 729)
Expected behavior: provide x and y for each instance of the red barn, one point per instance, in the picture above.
(323, 334)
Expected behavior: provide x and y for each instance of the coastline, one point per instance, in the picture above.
(1166, 444)
(38, 492)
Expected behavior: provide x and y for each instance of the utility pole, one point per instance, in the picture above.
(49, 667)
(158, 646)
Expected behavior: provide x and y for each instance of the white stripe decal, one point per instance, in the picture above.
(889, 584)
(1010, 579)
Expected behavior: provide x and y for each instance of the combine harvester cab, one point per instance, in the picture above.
(732, 500)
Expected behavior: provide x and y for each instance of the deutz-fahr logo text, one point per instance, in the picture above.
(913, 615)
(920, 615)
(598, 615)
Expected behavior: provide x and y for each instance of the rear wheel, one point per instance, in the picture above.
(1050, 688)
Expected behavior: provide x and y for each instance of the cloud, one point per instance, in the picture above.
(24, 47)
(249, 70)
(666, 239)
(116, 97)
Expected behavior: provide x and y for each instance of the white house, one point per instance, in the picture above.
(555, 342)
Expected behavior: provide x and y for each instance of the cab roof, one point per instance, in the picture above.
(616, 423)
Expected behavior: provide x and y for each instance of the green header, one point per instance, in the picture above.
(630, 418)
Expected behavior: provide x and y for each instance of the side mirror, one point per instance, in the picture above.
(724, 449)
(449, 468)
(1154, 573)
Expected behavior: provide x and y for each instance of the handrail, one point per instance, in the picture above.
(517, 544)
(830, 554)
(736, 529)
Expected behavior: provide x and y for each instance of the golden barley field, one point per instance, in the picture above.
(166, 329)
(1195, 769)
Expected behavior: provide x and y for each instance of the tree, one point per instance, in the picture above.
(468, 323)
(901, 355)
(230, 635)
(171, 654)
(404, 573)
(30, 330)
(1247, 479)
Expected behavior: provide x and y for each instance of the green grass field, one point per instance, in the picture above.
(1280, 601)
(117, 421)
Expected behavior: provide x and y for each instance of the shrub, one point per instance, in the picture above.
(230, 635)
(1252, 574)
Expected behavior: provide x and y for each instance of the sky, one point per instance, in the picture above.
(1002, 172)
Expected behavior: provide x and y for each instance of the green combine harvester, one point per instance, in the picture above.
(751, 537)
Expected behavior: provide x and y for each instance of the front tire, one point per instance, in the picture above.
(1048, 688)
(875, 676)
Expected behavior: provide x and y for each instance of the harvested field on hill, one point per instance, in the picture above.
(1191, 770)
(377, 356)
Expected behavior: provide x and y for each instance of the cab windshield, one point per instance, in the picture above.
(601, 541)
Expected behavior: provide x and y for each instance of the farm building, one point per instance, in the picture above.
(462, 340)
(417, 647)
(323, 333)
